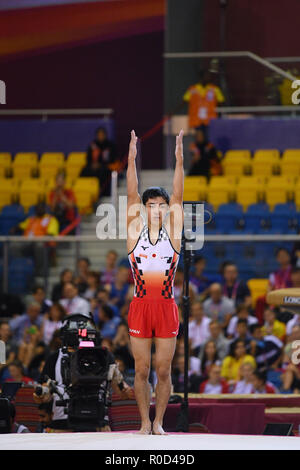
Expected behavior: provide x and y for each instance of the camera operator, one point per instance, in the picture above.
(60, 364)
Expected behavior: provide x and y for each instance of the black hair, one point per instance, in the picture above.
(47, 406)
(260, 375)
(281, 248)
(254, 327)
(242, 320)
(101, 128)
(153, 192)
(83, 258)
(233, 345)
(37, 287)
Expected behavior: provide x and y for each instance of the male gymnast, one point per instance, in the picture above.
(153, 243)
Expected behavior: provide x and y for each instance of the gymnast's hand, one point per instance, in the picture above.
(179, 146)
(132, 146)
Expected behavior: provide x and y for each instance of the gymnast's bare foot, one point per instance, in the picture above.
(158, 430)
(145, 428)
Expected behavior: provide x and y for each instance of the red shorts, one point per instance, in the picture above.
(153, 318)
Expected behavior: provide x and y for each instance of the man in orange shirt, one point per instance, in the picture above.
(203, 98)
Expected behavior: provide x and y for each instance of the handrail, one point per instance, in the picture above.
(257, 109)
(208, 238)
(56, 112)
(250, 55)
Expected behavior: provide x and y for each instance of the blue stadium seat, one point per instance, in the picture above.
(20, 275)
(284, 218)
(257, 219)
(10, 216)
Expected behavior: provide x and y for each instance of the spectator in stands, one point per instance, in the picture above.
(198, 327)
(40, 224)
(217, 335)
(16, 373)
(218, 306)
(106, 321)
(118, 290)
(82, 269)
(194, 362)
(242, 313)
(26, 323)
(52, 321)
(199, 279)
(57, 292)
(39, 295)
(108, 274)
(178, 287)
(101, 155)
(203, 98)
(272, 326)
(242, 333)
(122, 346)
(266, 349)
(62, 202)
(45, 417)
(30, 345)
(234, 288)
(245, 384)
(281, 278)
(72, 302)
(215, 384)
(11, 348)
(231, 364)
(93, 283)
(260, 384)
(290, 377)
(208, 357)
(178, 377)
(102, 298)
(205, 160)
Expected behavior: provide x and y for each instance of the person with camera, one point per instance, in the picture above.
(79, 378)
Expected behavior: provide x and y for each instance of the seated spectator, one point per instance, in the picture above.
(122, 346)
(45, 417)
(242, 333)
(231, 364)
(205, 160)
(198, 327)
(22, 324)
(266, 349)
(194, 362)
(201, 280)
(178, 287)
(290, 377)
(39, 295)
(101, 155)
(72, 302)
(245, 384)
(30, 345)
(217, 335)
(208, 358)
(119, 288)
(62, 202)
(260, 384)
(16, 373)
(215, 384)
(177, 377)
(234, 288)
(107, 322)
(93, 284)
(242, 313)
(11, 348)
(82, 269)
(57, 291)
(218, 306)
(272, 326)
(40, 224)
(52, 321)
(108, 274)
(102, 298)
(281, 278)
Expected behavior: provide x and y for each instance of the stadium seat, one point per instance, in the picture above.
(31, 192)
(5, 164)
(258, 287)
(236, 162)
(250, 190)
(10, 217)
(266, 162)
(20, 275)
(195, 186)
(50, 163)
(25, 164)
(74, 163)
(279, 189)
(227, 218)
(8, 191)
(88, 184)
(256, 220)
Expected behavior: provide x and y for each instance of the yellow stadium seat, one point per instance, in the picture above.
(235, 168)
(8, 191)
(88, 184)
(291, 155)
(51, 163)
(250, 190)
(5, 164)
(219, 184)
(279, 189)
(290, 167)
(25, 164)
(31, 192)
(267, 155)
(74, 163)
(195, 184)
(217, 195)
(84, 201)
(237, 155)
(191, 195)
(258, 287)
(266, 162)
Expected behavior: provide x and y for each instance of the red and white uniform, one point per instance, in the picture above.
(153, 311)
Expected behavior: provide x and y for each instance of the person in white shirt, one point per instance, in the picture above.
(217, 306)
(72, 302)
(242, 312)
(245, 385)
(199, 330)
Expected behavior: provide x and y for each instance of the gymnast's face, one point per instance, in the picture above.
(156, 209)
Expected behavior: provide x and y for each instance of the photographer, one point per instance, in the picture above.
(84, 377)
